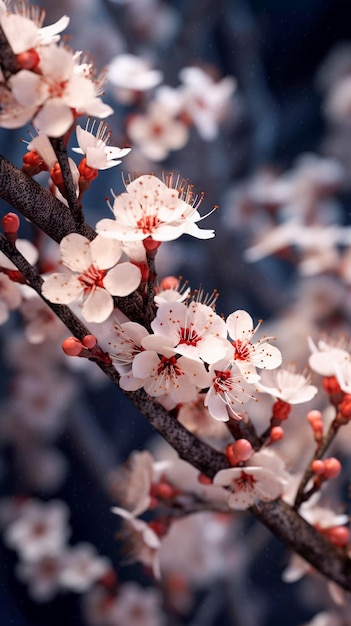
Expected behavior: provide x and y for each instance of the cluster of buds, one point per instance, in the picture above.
(87, 348)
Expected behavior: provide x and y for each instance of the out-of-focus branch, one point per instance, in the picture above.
(71, 197)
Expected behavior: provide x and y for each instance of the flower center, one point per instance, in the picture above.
(148, 223)
(241, 350)
(91, 278)
(188, 336)
(245, 482)
(220, 382)
(168, 366)
(57, 89)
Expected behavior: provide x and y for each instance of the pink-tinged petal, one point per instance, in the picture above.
(54, 119)
(105, 253)
(196, 372)
(85, 139)
(97, 306)
(47, 33)
(98, 108)
(29, 88)
(216, 406)
(75, 252)
(41, 144)
(200, 233)
(265, 356)
(128, 382)
(110, 228)
(158, 343)
(212, 349)
(239, 324)
(56, 62)
(62, 288)
(145, 363)
(20, 32)
(96, 158)
(122, 279)
(16, 116)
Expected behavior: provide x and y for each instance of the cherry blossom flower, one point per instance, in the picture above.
(164, 374)
(92, 281)
(157, 132)
(138, 606)
(40, 531)
(130, 74)
(206, 101)
(24, 32)
(261, 480)
(228, 392)
(127, 343)
(149, 208)
(61, 87)
(40, 321)
(132, 483)
(42, 576)
(290, 386)
(143, 542)
(98, 154)
(195, 331)
(248, 355)
(327, 354)
(171, 291)
(81, 567)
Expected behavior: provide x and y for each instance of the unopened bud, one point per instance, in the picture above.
(332, 467)
(72, 346)
(89, 341)
(242, 449)
(276, 434)
(318, 467)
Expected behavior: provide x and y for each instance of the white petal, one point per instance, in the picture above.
(122, 279)
(239, 324)
(105, 252)
(62, 288)
(75, 252)
(97, 306)
(54, 119)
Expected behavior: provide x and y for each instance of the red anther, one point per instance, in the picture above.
(28, 60)
(204, 480)
(281, 410)
(231, 456)
(318, 467)
(86, 172)
(144, 269)
(345, 406)
(150, 244)
(338, 535)
(276, 434)
(169, 282)
(332, 467)
(331, 385)
(89, 342)
(242, 449)
(72, 346)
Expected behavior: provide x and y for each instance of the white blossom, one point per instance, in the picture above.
(91, 280)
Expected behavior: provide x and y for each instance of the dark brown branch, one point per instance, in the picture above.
(301, 495)
(70, 195)
(37, 204)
